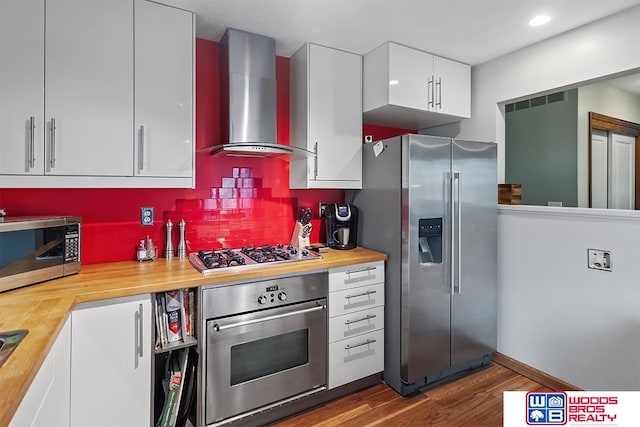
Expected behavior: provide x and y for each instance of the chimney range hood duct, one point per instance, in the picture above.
(248, 96)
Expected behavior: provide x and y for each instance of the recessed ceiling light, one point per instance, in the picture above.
(393, 82)
(539, 20)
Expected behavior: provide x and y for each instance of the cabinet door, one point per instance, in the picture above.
(89, 87)
(452, 87)
(335, 114)
(410, 77)
(163, 90)
(355, 299)
(355, 358)
(21, 87)
(46, 403)
(111, 371)
(356, 275)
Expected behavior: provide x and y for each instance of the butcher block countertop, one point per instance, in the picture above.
(43, 308)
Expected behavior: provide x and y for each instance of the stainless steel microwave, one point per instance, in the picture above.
(35, 249)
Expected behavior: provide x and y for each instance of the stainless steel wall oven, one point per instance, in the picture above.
(266, 344)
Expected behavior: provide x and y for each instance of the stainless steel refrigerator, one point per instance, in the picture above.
(430, 204)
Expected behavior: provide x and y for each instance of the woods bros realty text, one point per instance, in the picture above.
(572, 408)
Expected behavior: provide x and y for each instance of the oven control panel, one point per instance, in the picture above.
(232, 299)
(273, 294)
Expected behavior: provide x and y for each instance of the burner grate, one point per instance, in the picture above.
(211, 260)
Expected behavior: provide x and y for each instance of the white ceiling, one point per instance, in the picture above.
(469, 31)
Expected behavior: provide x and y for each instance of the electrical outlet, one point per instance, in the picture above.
(321, 209)
(146, 216)
(599, 259)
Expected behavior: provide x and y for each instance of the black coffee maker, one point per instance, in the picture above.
(342, 226)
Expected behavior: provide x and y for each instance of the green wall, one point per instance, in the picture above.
(541, 151)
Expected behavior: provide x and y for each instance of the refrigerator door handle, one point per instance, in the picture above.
(452, 221)
(458, 228)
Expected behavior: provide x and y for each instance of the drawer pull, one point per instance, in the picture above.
(367, 317)
(362, 270)
(367, 342)
(364, 294)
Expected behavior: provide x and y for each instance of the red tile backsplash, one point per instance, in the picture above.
(260, 207)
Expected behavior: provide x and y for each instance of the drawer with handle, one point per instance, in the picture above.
(356, 275)
(356, 299)
(356, 323)
(356, 358)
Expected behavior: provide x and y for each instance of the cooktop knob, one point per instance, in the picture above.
(282, 296)
(262, 299)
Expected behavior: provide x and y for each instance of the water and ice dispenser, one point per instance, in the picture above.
(430, 240)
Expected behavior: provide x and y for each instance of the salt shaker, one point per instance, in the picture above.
(168, 253)
(182, 247)
(141, 253)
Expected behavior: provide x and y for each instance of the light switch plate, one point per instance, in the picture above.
(599, 259)
(146, 216)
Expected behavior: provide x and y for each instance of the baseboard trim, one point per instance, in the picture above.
(533, 374)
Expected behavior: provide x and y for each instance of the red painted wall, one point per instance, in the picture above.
(261, 210)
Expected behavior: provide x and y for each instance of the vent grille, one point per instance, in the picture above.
(535, 102)
(541, 100)
(555, 97)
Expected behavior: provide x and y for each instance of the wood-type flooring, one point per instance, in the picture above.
(474, 400)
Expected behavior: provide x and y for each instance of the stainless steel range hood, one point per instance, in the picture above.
(248, 96)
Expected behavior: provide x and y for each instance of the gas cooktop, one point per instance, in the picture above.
(209, 261)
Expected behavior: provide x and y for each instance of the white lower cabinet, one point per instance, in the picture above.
(356, 322)
(111, 363)
(355, 358)
(46, 403)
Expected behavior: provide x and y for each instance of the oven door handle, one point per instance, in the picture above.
(217, 327)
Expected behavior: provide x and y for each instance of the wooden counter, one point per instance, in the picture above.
(43, 308)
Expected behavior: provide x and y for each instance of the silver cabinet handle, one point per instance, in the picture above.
(315, 161)
(367, 317)
(364, 294)
(361, 270)
(32, 131)
(439, 97)
(359, 278)
(367, 342)
(217, 327)
(52, 141)
(141, 350)
(141, 148)
(430, 93)
(138, 336)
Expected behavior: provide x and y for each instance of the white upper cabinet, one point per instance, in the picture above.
(326, 118)
(412, 89)
(96, 94)
(163, 90)
(452, 87)
(21, 87)
(409, 79)
(89, 87)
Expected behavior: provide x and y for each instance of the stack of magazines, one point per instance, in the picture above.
(174, 316)
(176, 399)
